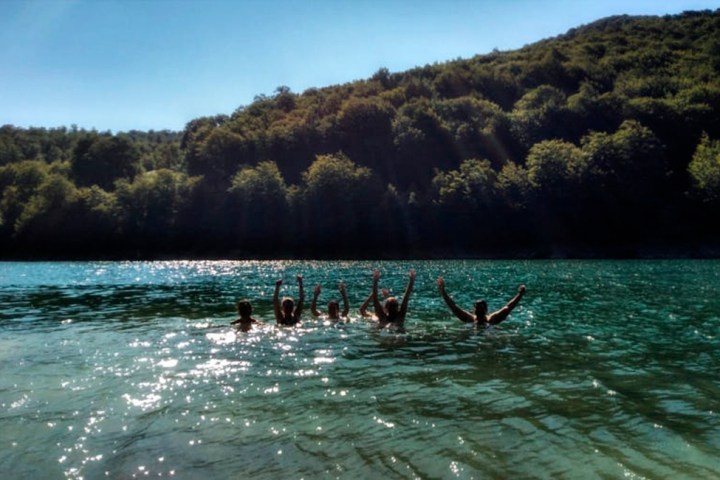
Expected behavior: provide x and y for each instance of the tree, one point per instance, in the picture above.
(453, 82)
(193, 142)
(539, 115)
(554, 171)
(591, 110)
(514, 188)
(101, 160)
(284, 99)
(337, 201)
(468, 202)
(553, 168)
(424, 143)
(98, 212)
(365, 128)
(258, 207)
(624, 182)
(18, 183)
(9, 150)
(218, 156)
(704, 170)
(472, 186)
(47, 213)
(151, 204)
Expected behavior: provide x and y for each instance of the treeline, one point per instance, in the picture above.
(602, 140)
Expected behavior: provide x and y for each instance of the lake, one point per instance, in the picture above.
(606, 369)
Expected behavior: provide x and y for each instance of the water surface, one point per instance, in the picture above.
(606, 369)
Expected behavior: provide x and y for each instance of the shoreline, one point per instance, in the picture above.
(700, 252)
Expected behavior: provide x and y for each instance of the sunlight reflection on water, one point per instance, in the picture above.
(606, 369)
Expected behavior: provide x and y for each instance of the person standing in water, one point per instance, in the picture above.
(392, 314)
(286, 312)
(364, 307)
(333, 305)
(480, 315)
(246, 320)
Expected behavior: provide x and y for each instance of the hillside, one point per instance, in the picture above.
(601, 141)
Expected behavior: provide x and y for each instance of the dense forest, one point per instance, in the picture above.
(601, 141)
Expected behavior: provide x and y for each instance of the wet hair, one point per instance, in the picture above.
(287, 303)
(392, 305)
(333, 304)
(481, 304)
(244, 308)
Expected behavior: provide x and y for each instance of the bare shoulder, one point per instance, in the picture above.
(499, 315)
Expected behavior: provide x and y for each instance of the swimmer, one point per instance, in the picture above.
(246, 320)
(286, 312)
(364, 307)
(480, 315)
(391, 314)
(333, 305)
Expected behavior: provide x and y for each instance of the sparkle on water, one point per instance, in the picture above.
(606, 369)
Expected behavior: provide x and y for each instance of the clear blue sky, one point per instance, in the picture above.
(157, 64)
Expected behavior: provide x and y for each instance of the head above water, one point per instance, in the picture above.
(480, 308)
(391, 306)
(244, 308)
(287, 305)
(333, 309)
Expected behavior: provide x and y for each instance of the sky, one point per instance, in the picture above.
(118, 65)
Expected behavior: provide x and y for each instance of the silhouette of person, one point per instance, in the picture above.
(364, 307)
(286, 312)
(392, 313)
(480, 314)
(246, 320)
(333, 305)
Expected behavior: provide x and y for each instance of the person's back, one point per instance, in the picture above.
(286, 312)
(479, 316)
(246, 320)
(363, 310)
(392, 314)
(333, 306)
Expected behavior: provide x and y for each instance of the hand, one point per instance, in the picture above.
(441, 283)
(412, 274)
(341, 287)
(376, 275)
(299, 277)
(317, 290)
(278, 282)
(521, 289)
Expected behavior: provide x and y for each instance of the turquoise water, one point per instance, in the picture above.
(607, 369)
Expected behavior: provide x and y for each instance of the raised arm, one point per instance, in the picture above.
(276, 302)
(363, 308)
(313, 302)
(463, 315)
(365, 305)
(379, 310)
(301, 297)
(503, 313)
(406, 295)
(346, 303)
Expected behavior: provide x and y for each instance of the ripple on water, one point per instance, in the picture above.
(607, 369)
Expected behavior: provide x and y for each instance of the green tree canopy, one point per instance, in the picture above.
(152, 202)
(704, 170)
(258, 205)
(337, 199)
(103, 159)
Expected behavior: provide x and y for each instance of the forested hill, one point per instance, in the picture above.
(601, 141)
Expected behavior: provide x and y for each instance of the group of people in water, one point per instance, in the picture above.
(390, 314)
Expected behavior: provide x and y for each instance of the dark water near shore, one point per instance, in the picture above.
(607, 369)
